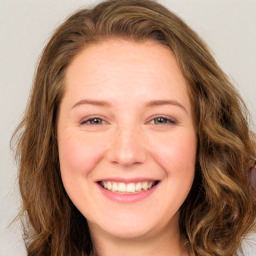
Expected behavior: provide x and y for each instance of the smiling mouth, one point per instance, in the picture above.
(128, 188)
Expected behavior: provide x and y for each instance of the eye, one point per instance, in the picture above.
(93, 121)
(160, 120)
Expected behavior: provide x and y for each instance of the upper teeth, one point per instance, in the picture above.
(127, 188)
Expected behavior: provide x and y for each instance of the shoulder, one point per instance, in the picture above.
(248, 247)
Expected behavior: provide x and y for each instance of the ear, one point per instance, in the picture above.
(252, 176)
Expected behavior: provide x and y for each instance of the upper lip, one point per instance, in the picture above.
(128, 180)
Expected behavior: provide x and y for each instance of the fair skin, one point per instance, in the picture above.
(125, 125)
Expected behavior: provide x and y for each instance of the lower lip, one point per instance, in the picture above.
(127, 198)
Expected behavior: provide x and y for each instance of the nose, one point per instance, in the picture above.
(127, 148)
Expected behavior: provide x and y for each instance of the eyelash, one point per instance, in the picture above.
(166, 120)
(87, 121)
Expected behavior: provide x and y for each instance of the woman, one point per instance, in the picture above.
(134, 141)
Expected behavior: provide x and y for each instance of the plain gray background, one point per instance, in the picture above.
(227, 26)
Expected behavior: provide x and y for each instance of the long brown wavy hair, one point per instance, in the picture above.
(220, 208)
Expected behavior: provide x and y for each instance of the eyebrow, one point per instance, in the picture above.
(92, 102)
(152, 103)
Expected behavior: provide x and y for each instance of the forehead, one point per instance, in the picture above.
(119, 68)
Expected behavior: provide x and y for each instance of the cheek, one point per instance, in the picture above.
(79, 154)
(177, 153)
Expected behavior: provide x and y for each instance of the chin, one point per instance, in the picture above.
(128, 233)
(130, 228)
(131, 232)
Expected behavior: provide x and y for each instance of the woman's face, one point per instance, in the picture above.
(127, 143)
